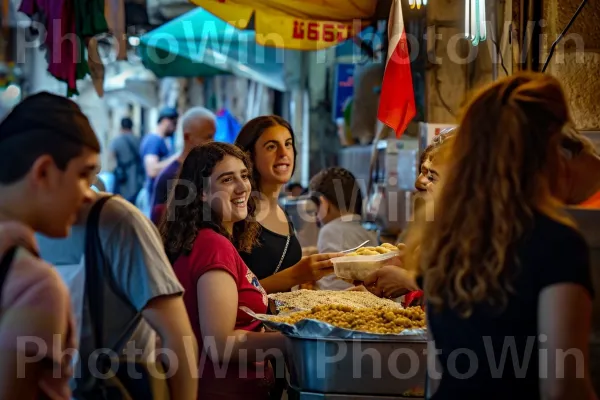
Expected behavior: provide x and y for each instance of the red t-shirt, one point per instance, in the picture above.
(214, 251)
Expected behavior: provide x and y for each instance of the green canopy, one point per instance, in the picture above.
(198, 44)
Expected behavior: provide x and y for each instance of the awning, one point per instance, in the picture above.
(198, 44)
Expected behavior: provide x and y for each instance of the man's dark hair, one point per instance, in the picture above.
(126, 124)
(43, 124)
(168, 113)
(339, 187)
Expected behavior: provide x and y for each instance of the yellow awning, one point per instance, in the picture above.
(296, 24)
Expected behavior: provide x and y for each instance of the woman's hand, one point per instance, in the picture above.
(313, 268)
(398, 260)
(391, 281)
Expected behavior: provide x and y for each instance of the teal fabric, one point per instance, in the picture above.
(198, 44)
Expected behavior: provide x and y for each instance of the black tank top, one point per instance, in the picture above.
(265, 257)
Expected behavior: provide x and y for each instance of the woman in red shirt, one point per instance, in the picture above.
(209, 219)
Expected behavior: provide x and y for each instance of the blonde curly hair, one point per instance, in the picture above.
(499, 164)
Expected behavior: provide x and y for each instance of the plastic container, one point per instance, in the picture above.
(358, 268)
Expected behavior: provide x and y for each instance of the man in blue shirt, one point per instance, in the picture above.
(154, 151)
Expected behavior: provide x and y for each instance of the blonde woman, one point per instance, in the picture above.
(506, 275)
(392, 281)
(429, 174)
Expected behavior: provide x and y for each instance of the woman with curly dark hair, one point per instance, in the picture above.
(209, 219)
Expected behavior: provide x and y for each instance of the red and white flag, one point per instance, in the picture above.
(397, 101)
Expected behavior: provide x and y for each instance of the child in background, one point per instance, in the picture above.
(338, 197)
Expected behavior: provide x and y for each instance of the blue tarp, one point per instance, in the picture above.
(227, 127)
(199, 44)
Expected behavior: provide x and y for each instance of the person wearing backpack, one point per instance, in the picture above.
(48, 160)
(124, 293)
(129, 170)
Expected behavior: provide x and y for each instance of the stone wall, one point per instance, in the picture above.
(576, 61)
(455, 68)
(445, 79)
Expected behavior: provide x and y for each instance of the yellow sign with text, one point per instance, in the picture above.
(294, 24)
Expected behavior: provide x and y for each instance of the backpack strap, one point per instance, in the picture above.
(5, 264)
(98, 275)
(131, 145)
(97, 281)
(94, 260)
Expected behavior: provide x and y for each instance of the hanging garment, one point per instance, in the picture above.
(114, 12)
(58, 18)
(90, 21)
(70, 24)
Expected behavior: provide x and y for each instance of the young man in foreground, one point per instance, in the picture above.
(48, 160)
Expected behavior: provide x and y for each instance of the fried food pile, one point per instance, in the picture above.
(307, 299)
(383, 320)
(374, 251)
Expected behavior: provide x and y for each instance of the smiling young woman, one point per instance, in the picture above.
(277, 261)
(202, 238)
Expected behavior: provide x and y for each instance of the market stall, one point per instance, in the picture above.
(351, 344)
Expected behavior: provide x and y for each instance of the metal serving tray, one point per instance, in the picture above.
(384, 367)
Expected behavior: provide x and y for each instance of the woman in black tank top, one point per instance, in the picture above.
(277, 261)
(271, 248)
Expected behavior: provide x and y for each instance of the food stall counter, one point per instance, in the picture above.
(350, 345)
